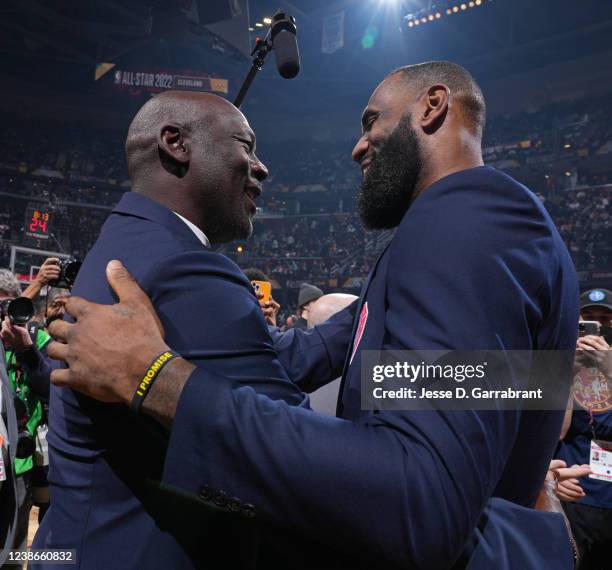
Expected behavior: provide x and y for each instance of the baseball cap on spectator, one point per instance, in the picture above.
(596, 298)
(308, 293)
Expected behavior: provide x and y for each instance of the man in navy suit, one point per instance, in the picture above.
(195, 178)
(476, 263)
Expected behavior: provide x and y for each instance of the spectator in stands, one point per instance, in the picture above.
(308, 294)
(269, 308)
(587, 431)
(325, 399)
(317, 235)
(56, 298)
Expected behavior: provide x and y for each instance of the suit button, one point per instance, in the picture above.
(220, 498)
(234, 504)
(248, 511)
(206, 493)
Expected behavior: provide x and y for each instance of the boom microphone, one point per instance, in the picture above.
(284, 41)
(281, 38)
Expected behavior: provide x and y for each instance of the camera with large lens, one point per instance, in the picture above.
(19, 310)
(69, 269)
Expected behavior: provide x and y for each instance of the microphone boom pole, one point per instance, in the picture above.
(260, 51)
(281, 38)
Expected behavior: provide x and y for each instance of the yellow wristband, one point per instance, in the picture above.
(149, 378)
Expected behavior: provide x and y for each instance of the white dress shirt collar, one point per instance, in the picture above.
(197, 231)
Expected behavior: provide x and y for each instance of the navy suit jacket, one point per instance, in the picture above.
(475, 264)
(106, 462)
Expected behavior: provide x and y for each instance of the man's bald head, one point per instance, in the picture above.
(194, 113)
(327, 306)
(195, 154)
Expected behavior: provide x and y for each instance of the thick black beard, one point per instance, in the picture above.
(388, 187)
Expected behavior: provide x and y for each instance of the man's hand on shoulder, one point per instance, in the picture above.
(109, 347)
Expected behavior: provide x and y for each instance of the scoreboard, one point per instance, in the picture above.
(37, 223)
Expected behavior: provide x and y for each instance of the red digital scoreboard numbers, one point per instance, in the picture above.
(37, 223)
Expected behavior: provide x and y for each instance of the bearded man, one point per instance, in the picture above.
(475, 264)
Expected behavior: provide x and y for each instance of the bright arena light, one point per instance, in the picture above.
(267, 21)
(432, 14)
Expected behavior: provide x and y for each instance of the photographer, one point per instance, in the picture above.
(587, 431)
(56, 299)
(29, 369)
(49, 271)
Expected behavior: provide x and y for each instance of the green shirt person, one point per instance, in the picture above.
(28, 374)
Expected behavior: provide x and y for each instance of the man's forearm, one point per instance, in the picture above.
(33, 290)
(304, 470)
(164, 395)
(316, 357)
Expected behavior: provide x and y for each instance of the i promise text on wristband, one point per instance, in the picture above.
(149, 378)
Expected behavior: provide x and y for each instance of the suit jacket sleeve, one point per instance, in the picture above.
(315, 357)
(404, 488)
(208, 309)
(500, 541)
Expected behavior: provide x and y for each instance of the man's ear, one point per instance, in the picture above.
(174, 150)
(436, 100)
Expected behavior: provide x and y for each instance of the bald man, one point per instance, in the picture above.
(475, 263)
(328, 305)
(195, 178)
(325, 399)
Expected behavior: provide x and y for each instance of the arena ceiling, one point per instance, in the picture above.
(59, 42)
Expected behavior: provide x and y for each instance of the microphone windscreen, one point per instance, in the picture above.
(287, 55)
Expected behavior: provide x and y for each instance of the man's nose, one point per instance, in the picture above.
(360, 149)
(259, 170)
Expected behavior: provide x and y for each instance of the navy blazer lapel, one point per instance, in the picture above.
(140, 206)
(362, 298)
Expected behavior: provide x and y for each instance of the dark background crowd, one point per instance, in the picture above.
(307, 228)
(545, 72)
